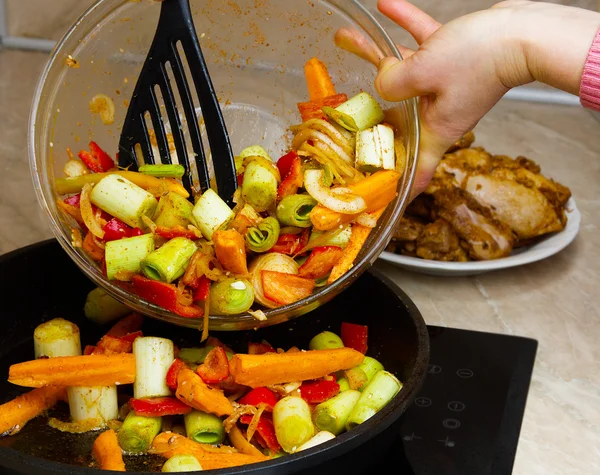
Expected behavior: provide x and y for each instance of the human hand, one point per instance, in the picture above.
(461, 69)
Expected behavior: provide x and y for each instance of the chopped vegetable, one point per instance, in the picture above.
(194, 392)
(273, 261)
(16, 413)
(96, 160)
(319, 438)
(332, 415)
(279, 368)
(173, 210)
(291, 244)
(92, 249)
(255, 151)
(204, 428)
(314, 109)
(211, 213)
(294, 210)
(98, 403)
(153, 358)
(171, 378)
(92, 370)
(259, 187)
(163, 295)
(107, 453)
(284, 288)
(244, 219)
(315, 392)
(375, 149)
(320, 262)
(56, 337)
(173, 170)
(358, 113)
(338, 200)
(258, 396)
(292, 179)
(355, 336)
(357, 378)
(123, 199)
(181, 463)
(325, 340)
(265, 430)
(137, 432)
(264, 236)
(238, 440)
(124, 257)
(370, 366)
(293, 423)
(231, 296)
(215, 367)
(169, 262)
(159, 406)
(75, 168)
(380, 390)
(318, 81)
(231, 251)
(117, 229)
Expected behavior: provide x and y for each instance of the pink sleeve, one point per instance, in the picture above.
(589, 93)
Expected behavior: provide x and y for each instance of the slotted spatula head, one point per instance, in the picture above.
(175, 33)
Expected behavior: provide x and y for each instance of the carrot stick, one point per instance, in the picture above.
(313, 109)
(168, 444)
(107, 453)
(89, 246)
(318, 80)
(241, 443)
(279, 368)
(194, 392)
(378, 190)
(358, 238)
(230, 250)
(87, 370)
(16, 413)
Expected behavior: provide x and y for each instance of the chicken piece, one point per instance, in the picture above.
(420, 207)
(464, 142)
(525, 210)
(439, 242)
(504, 161)
(408, 229)
(454, 168)
(486, 237)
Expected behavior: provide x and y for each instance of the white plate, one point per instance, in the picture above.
(547, 247)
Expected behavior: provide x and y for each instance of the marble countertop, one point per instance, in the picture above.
(554, 301)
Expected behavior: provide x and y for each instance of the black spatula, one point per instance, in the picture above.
(175, 26)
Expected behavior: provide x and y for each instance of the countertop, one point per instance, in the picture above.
(554, 301)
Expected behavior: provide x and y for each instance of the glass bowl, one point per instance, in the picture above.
(255, 51)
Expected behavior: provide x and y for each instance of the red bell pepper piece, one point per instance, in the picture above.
(285, 163)
(260, 395)
(97, 160)
(240, 179)
(293, 179)
(215, 367)
(163, 295)
(173, 372)
(313, 109)
(127, 325)
(117, 229)
(355, 336)
(316, 392)
(259, 348)
(176, 231)
(110, 345)
(290, 244)
(159, 406)
(266, 430)
(201, 289)
(320, 262)
(73, 200)
(89, 350)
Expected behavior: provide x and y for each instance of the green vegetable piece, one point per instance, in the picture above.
(339, 237)
(381, 389)
(259, 186)
(292, 422)
(197, 355)
(264, 236)
(137, 432)
(325, 340)
(294, 210)
(358, 113)
(102, 308)
(169, 170)
(357, 378)
(170, 260)
(255, 151)
(182, 463)
(211, 213)
(333, 414)
(231, 296)
(343, 382)
(125, 255)
(173, 210)
(204, 428)
(370, 366)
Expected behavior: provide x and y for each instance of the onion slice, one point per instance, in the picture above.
(87, 213)
(366, 220)
(340, 200)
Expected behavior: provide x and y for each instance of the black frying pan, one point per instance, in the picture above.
(39, 282)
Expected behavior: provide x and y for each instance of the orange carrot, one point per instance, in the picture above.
(378, 190)
(168, 444)
(92, 249)
(194, 392)
(318, 80)
(230, 250)
(278, 368)
(128, 324)
(285, 288)
(358, 238)
(107, 453)
(71, 210)
(16, 413)
(313, 109)
(87, 370)
(241, 443)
